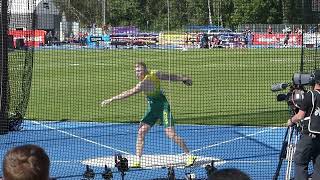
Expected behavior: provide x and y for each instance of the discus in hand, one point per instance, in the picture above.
(187, 82)
(106, 102)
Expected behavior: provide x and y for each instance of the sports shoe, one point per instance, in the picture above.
(190, 160)
(136, 164)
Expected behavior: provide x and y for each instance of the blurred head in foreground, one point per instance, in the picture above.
(26, 162)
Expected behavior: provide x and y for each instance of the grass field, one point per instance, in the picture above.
(230, 86)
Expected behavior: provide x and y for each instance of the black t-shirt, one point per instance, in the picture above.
(306, 105)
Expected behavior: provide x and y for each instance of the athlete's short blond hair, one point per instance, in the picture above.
(142, 64)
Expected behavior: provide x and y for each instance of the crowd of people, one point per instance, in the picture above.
(226, 40)
(244, 38)
(247, 38)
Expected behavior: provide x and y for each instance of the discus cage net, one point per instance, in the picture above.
(61, 58)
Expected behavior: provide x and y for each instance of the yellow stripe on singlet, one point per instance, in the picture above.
(152, 76)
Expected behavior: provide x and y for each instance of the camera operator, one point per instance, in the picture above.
(308, 147)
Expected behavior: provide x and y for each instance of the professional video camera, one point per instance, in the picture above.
(294, 98)
(296, 91)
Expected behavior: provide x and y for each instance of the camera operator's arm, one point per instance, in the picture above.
(305, 108)
(296, 118)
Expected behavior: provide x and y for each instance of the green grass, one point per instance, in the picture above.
(231, 86)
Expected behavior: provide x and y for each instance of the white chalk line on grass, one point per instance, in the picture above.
(96, 64)
(232, 140)
(81, 138)
(74, 64)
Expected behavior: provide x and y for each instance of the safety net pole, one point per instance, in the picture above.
(4, 68)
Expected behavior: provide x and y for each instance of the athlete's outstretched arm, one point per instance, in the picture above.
(138, 88)
(173, 77)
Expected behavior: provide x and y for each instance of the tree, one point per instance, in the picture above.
(124, 12)
(87, 13)
(153, 14)
(255, 11)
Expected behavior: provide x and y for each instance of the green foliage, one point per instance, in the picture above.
(256, 12)
(87, 12)
(124, 12)
(153, 14)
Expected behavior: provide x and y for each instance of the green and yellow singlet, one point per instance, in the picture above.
(158, 106)
(152, 76)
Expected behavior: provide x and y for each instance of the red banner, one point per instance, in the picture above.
(277, 39)
(31, 38)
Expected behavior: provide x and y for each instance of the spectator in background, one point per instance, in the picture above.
(297, 30)
(269, 30)
(286, 39)
(215, 41)
(26, 162)
(246, 29)
(312, 29)
(249, 37)
(245, 38)
(228, 174)
(49, 38)
(204, 41)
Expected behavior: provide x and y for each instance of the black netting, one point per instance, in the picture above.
(65, 59)
(20, 60)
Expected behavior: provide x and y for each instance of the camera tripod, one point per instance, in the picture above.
(287, 151)
(294, 100)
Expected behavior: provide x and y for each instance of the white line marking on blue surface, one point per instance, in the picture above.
(252, 161)
(234, 139)
(84, 139)
(61, 161)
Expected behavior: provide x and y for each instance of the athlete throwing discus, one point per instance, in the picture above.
(158, 108)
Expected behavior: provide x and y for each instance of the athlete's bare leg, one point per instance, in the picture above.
(143, 130)
(172, 134)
